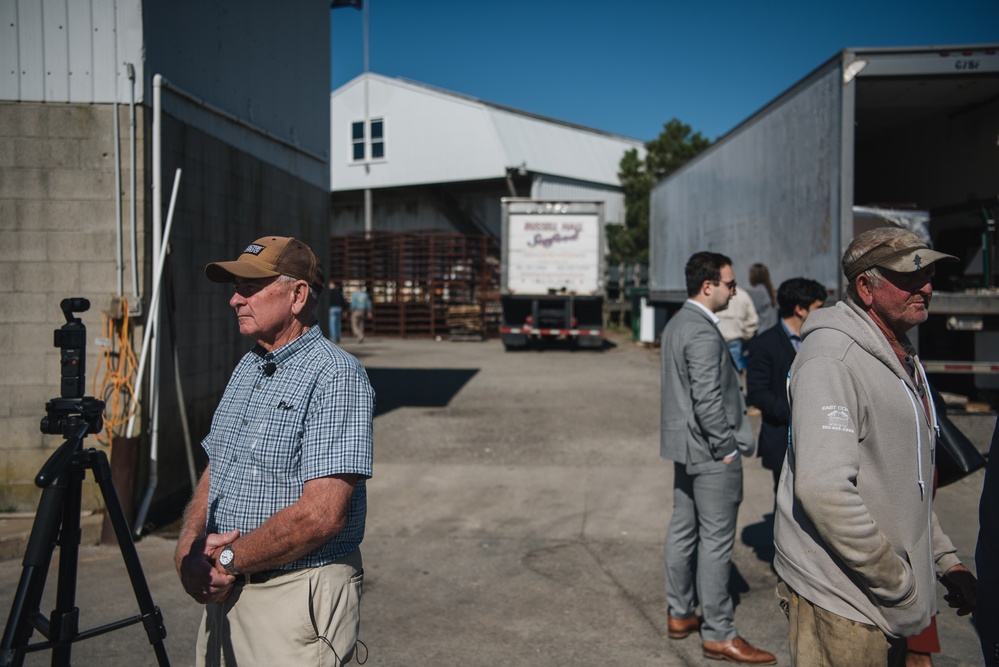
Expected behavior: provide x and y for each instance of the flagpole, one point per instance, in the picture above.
(368, 226)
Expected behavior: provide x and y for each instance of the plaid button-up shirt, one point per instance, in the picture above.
(270, 434)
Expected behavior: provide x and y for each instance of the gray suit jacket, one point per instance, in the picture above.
(703, 410)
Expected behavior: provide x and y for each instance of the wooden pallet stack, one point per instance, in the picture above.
(416, 278)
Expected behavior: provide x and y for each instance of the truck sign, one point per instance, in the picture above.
(553, 252)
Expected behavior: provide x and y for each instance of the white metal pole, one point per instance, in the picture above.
(119, 266)
(137, 306)
(157, 163)
(368, 225)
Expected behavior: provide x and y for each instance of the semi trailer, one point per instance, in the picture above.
(871, 137)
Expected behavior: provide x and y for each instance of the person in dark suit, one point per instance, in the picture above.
(705, 432)
(766, 376)
(987, 559)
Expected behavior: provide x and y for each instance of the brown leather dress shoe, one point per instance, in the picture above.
(678, 628)
(739, 651)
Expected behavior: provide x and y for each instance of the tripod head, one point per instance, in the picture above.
(72, 415)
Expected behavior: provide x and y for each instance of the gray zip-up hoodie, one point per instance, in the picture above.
(855, 532)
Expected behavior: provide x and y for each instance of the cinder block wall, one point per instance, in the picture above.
(57, 218)
(57, 221)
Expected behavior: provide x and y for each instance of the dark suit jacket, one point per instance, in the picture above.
(987, 559)
(766, 388)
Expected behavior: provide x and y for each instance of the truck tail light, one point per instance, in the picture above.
(529, 320)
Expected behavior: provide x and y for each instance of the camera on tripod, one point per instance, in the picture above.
(57, 521)
(64, 415)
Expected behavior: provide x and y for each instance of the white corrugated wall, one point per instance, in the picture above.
(60, 50)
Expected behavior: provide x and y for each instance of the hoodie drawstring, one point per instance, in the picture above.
(919, 440)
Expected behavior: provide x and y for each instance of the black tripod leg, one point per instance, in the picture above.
(37, 558)
(64, 621)
(152, 619)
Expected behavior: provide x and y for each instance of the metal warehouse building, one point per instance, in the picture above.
(101, 102)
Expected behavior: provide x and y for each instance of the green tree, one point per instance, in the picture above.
(673, 148)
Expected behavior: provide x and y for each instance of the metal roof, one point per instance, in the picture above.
(434, 136)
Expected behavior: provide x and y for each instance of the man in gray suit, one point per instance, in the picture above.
(705, 432)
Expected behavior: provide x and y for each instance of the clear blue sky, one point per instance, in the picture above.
(629, 66)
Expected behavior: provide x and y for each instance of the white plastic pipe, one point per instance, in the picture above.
(153, 354)
(154, 303)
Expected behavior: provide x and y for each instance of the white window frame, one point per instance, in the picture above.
(367, 141)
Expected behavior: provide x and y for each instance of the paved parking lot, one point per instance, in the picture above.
(516, 516)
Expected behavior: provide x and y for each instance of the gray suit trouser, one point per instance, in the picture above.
(706, 498)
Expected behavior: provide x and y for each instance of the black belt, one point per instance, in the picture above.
(259, 577)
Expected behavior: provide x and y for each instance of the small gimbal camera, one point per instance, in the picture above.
(63, 414)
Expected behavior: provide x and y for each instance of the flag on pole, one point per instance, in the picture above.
(356, 4)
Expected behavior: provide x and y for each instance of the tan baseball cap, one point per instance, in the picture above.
(903, 252)
(271, 256)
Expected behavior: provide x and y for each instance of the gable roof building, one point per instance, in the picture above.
(436, 159)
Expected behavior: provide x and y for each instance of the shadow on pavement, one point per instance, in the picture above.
(416, 387)
(563, 345)
(737, 585)
(760, 538)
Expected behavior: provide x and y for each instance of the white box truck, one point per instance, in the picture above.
(552, 272)
(868, 132)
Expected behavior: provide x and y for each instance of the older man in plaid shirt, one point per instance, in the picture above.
(271, 537)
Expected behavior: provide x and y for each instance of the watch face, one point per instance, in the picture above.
(226, 556)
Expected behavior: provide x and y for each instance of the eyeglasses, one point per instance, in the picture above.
(730, 284)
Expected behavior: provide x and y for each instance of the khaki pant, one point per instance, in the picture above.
(305, 617)
(357, 323)
(820, 638)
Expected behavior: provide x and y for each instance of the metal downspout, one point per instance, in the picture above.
(117, 201)
(153, 319)
(136, 304)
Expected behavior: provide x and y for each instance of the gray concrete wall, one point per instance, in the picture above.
(57, 218)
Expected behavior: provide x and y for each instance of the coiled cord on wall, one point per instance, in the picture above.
(116, 368)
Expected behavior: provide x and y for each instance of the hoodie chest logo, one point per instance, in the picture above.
(837, 419)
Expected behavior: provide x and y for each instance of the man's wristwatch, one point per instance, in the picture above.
(226, 558)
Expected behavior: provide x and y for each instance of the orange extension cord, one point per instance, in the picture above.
(118, 364)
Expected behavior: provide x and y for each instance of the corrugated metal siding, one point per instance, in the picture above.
(69, 50)
(779, 172)
(549, 187)
(554, 148)
(245, 60)
(267, 64)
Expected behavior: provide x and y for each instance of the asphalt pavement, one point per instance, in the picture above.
(516, 516)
